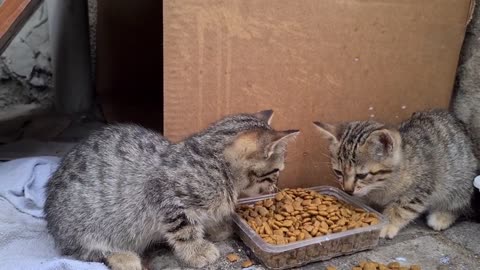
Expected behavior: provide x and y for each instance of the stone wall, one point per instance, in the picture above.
(25, 66)
(26, 79)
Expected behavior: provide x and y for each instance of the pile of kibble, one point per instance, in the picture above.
(298, 214)
(370, 265)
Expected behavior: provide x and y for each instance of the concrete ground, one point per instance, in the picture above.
(457, 248)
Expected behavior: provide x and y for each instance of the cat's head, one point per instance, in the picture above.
(363, 154)
(257, 151)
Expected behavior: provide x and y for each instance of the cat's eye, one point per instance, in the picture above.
(338, 173)
(361, 176)
(270, 172)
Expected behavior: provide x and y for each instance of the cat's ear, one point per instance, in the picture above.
(280, 139)
(382, 143)
(265, 115)
(328, 131)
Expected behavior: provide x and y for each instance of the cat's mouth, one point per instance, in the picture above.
(269, 190)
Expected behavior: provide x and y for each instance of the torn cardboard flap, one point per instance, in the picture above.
(308, 60)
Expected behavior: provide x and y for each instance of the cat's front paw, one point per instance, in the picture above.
(124, 261)
(440, 220)
(199, 254)
(389, 231)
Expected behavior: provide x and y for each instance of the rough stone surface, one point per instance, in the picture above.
(454, 249)
(429, 252)
(466, 234)
(25, 68)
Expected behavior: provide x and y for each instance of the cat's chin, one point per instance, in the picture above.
(361, 193)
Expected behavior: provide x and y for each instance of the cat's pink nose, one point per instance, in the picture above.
(349, 191)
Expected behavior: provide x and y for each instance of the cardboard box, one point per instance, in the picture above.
(328, 60)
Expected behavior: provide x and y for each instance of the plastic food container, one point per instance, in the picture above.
(315, 249)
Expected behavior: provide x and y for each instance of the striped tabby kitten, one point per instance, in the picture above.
(126, 187)
(425, 165)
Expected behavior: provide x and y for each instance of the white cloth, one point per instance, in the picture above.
(25, 243)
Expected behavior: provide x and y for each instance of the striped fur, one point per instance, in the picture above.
(427, 164)
(126, 187)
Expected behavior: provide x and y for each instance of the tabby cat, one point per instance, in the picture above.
(426, 165)
(126, 187)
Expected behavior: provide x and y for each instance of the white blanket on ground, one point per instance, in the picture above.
(24, 241)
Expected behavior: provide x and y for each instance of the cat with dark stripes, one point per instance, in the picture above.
(426, 165)
(125, 188)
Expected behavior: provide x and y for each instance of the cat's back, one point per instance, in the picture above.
(122, 138)
(436, 145)
(121, 147)
(112, 153)
(434, 128)
(100, 183)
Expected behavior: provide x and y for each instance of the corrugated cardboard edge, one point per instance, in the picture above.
(473, 4)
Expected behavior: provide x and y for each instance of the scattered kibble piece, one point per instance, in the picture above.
(298, 214)
(232, 257)
(394, 265)
(247, 263)
(371, 265)
(382, 267)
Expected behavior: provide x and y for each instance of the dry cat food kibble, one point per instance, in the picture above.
(298, 214)
(371, 265)
(247, 263)
(293, 206)
(232, 257)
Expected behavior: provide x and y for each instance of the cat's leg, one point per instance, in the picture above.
(399, 215)
(220, 231)
(441, 220)
(187, 239)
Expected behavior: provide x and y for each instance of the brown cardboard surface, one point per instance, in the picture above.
(329, 60)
